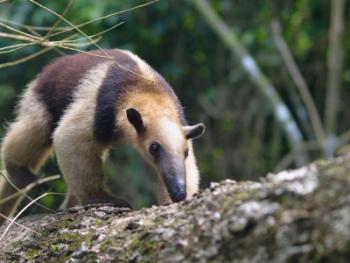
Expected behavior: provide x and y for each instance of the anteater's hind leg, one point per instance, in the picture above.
(24, 149)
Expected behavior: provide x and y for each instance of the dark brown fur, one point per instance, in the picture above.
(58, 81)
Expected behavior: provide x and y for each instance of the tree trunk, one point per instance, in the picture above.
(293, 216)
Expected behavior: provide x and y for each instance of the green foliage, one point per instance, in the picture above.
(242, 140)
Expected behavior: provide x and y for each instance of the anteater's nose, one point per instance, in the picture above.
(179, 194)
(174, 177)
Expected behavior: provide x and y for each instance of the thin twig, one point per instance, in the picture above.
(104, 17)
(49, 44)
(100, 33)
(23, 210)
(26, 58)
(39, 40)
(18, 37)
(20, 225)
(335, 64)
(38, 28)
(115, 63)
(34, 32)
(300, 83)
(59, 20)
(24, 194)
(13, 48)
(21, 33)
(30, 187)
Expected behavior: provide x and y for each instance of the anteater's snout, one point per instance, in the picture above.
(176, 186)
(179, 194)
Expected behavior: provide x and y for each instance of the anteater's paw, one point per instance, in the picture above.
(107, 199)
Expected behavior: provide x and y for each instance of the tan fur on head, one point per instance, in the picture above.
(162, 124)
(152, 104)
(171, 133)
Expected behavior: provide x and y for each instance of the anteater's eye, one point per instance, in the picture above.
(186, 153)
(154, 148)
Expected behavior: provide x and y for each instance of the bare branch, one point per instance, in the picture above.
(22, 192)
(25, 59)
(30, 187)
(334, 63)
(59, 20)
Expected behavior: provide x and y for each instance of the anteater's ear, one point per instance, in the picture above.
(135, 118)
(194, 131)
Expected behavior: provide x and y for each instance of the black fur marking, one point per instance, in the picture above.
(114, 85)
(20, 176)
(135, 118)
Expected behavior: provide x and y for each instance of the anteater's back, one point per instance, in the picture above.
(56, 85)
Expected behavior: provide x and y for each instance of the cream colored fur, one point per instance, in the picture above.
(26, 144)
(172, 134)
(79, 156)
(145, 69)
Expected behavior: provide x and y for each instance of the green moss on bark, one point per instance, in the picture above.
(294, 216)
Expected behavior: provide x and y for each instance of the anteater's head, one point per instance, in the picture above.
(163, 142)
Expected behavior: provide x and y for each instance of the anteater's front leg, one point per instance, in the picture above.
(80, 160)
